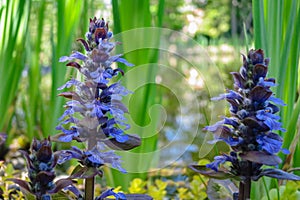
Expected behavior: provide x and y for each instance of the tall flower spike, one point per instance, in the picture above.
(95, 113)
(249, 130)
(95, 110)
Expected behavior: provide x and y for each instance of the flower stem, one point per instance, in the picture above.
(89, 188)
(90, 182)
(245, 186)
(245, 189)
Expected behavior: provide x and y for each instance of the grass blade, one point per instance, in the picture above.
(128, 15)
(13, 33)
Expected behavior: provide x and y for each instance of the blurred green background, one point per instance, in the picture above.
(208, 37)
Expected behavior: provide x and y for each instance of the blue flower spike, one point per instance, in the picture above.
(250, 129)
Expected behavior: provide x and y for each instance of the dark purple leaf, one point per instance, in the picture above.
(256, 56)
(27, 159)
(243, 72)
(220, 174)
(84, 43)
(254, 123)
(44, 154)
(260, 70)
(119, 70)
(85, 172)
(260, 94)
(133, 141)
(55, 159)
(74, 64)
(60, 184)
(45, 177)
(277, 173)
(245, 62)
(70, 95)
(261, 158)
(239, 82)
(21, 183)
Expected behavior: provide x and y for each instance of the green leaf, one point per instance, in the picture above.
(130, 15)
(14, 21)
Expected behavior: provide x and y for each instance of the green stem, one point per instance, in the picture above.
(277, 188)
(89, 188)
(266, 188)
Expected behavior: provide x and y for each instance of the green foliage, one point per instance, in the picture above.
(14, 18)
(289, 191)
(7, 171)
(276, 30)
(216, 21)
(137, 186)
(197, 189)
(34, 34)
(173, 17)
(158, 189)
(68, 15)
(124, 11)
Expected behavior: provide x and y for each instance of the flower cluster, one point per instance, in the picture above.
(249, 130)
(95, 112)
(40, 164)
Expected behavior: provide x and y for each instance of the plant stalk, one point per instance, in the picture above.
(245, 189)
(245, 186)
(89, 183)
(89, 188)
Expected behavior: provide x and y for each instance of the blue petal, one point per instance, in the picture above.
(268, 144)
(285, 151)
(124, 61)
(214, 127)
(79, 56)
(69, 84)
(231, 121)
(264, 83)
(274, 125)
(121, 138)
(63, 58)
(74, 190)
(266, 114)
(218, 160)
(276, 101)
(66, 138)
(69, 154)
(75, 55)
(110, 192)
